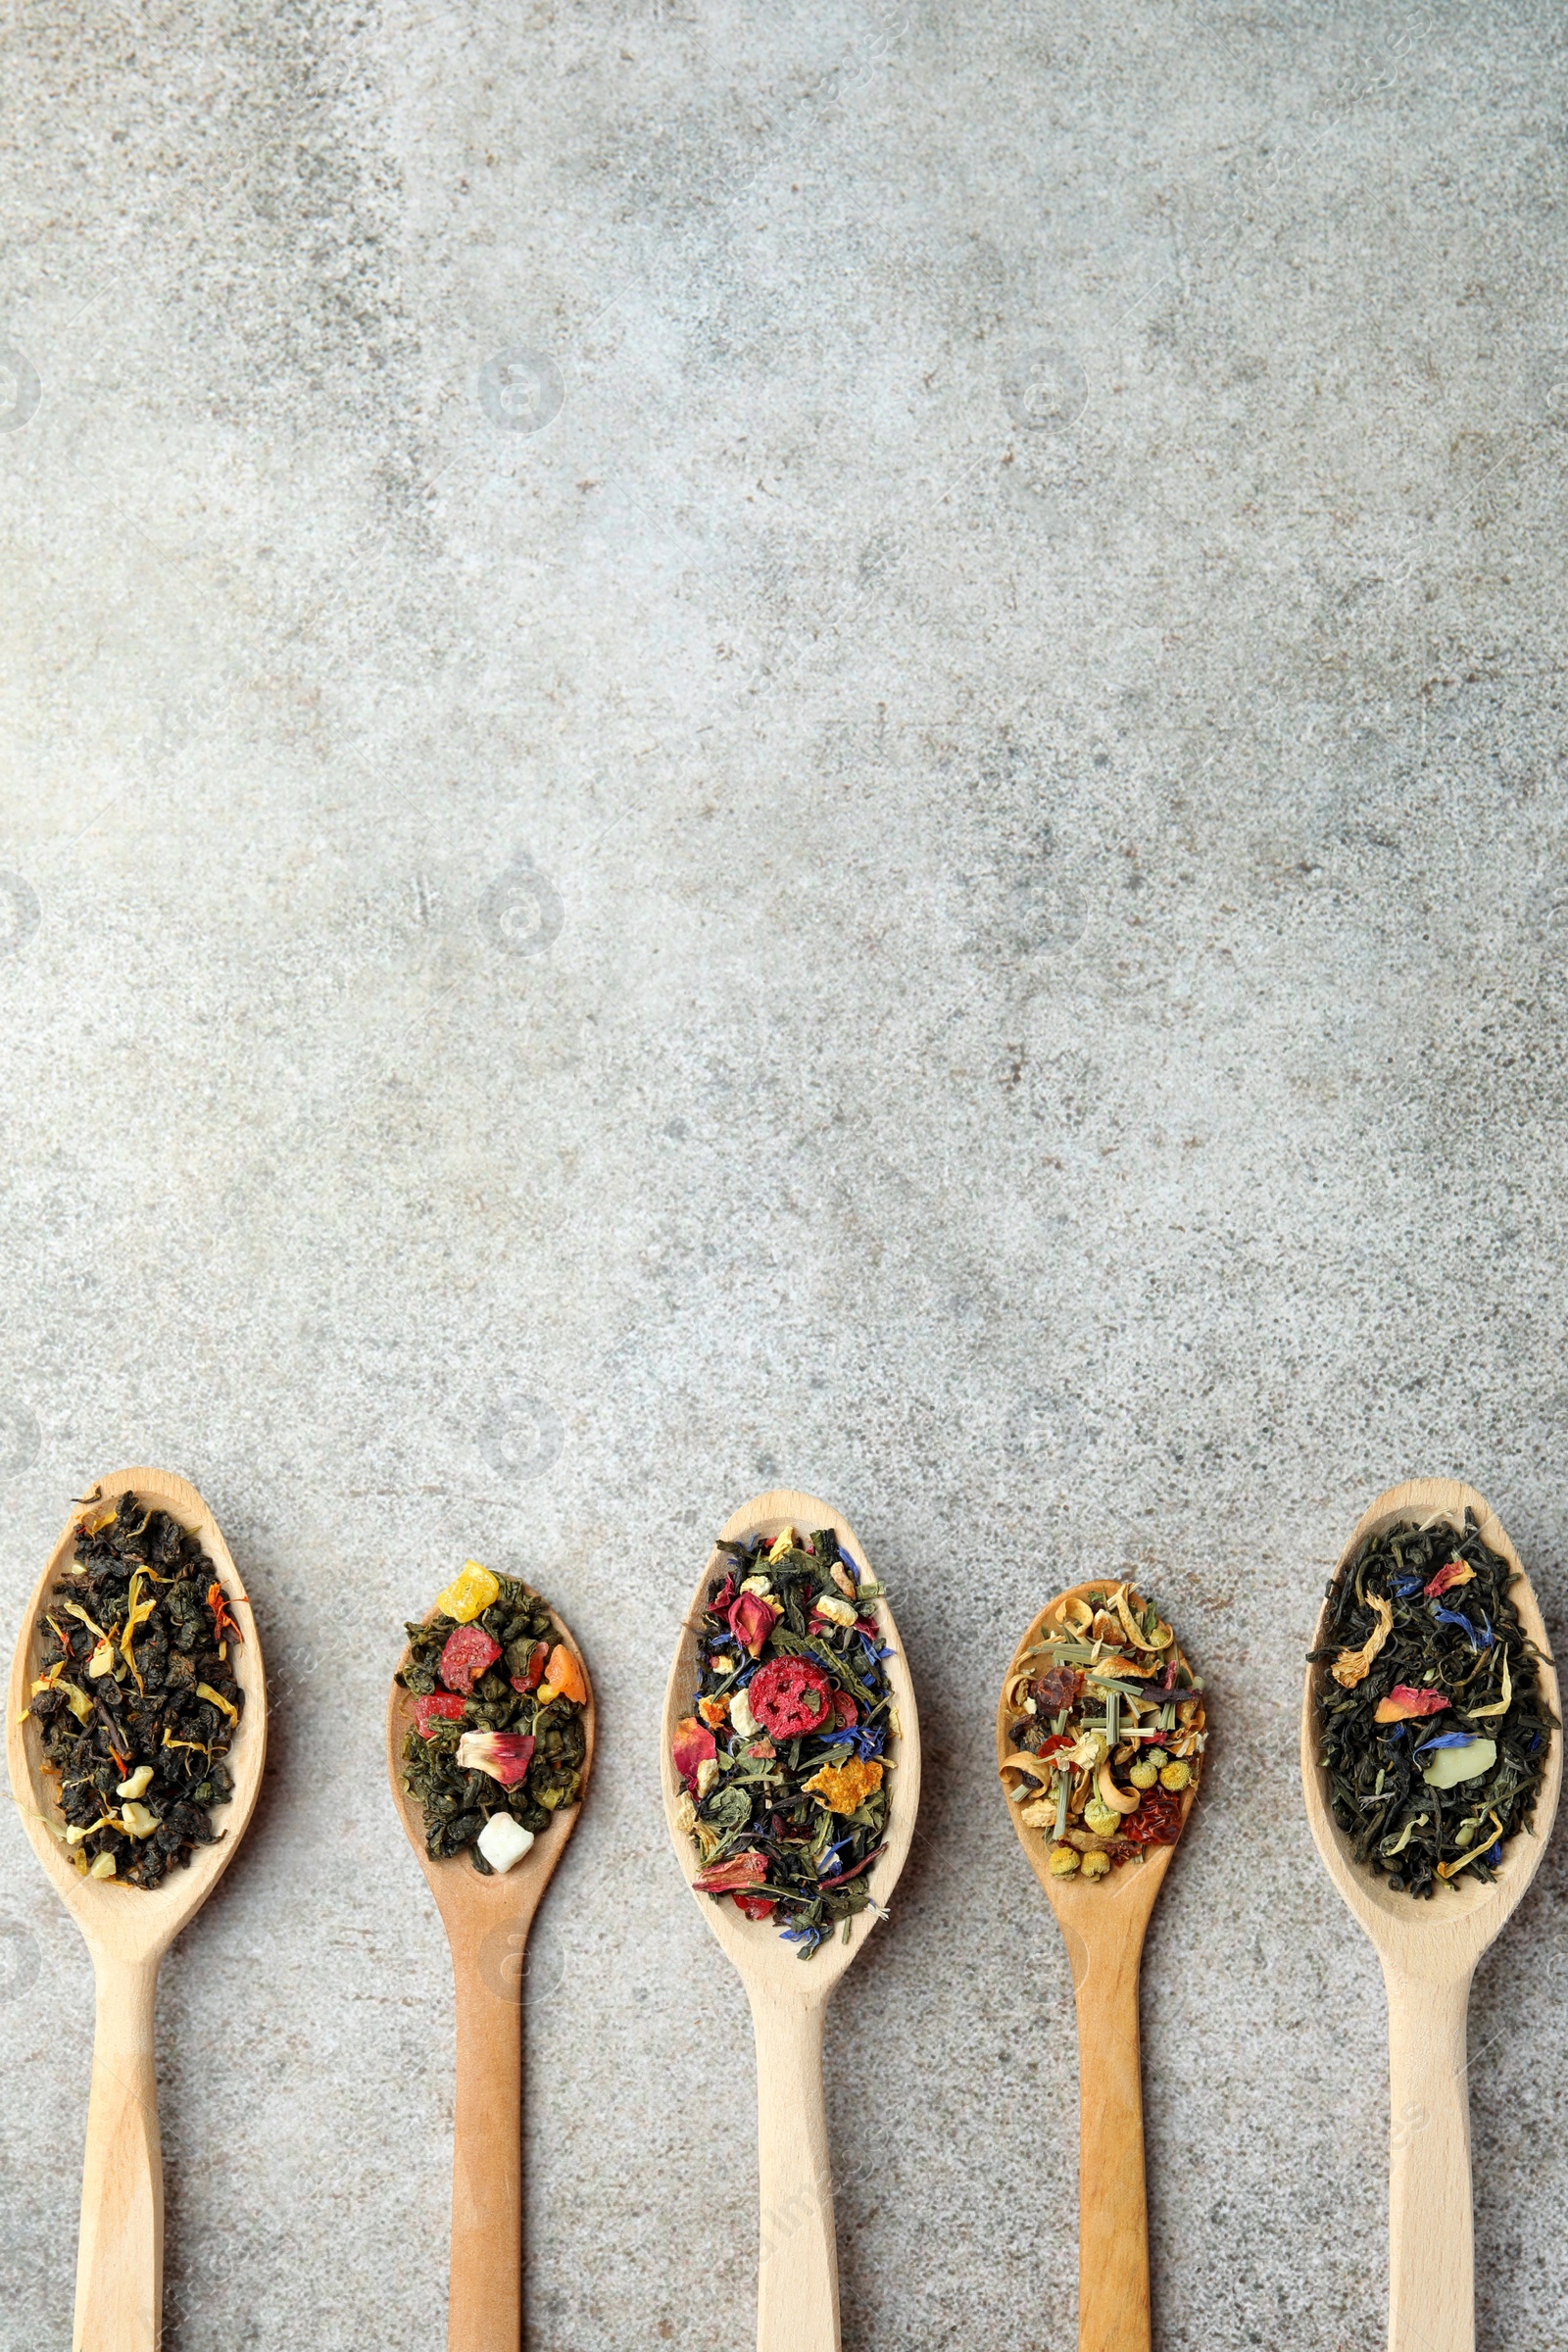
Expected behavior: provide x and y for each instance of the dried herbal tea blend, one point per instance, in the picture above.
(1106, 1720)
(784, 1754)
(138, 1700)
(497, 1744)
(1435, 1729)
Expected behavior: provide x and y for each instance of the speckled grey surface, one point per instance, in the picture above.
(749, 743)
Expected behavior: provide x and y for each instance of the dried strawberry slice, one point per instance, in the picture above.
(790, 1696)
(469, 1653)
(433, 1707)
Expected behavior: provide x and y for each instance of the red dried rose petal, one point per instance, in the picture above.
(750, 1621)
(435, 1706)
(741, 1870)
(469, 1653)
(756, 1906)
(1403, 1703)
(691, 1745)
(790, 1696)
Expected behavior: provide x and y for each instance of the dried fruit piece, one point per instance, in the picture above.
(533, 1674)
(503, 1842)
(469, 1653)
(1056, 1689)
(790, 1696)
(563, 1678)
(845, 1788)
(433, 1707)
(469, 1593)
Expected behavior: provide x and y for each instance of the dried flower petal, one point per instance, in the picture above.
(741, 1870)
(1352, 1666)
(505, 1755)
(750, 1621)
(691, 1746)
(1403, 1703)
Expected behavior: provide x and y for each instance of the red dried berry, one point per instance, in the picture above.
(790, 1696)
(845, 1710)
(756, 1906)
(469, 1653)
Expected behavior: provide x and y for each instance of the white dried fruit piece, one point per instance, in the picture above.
(836, 1611)
(503, 1842)
(102, 1661)
(706, 1775)
(741, 1716)
(138, 1783)
(841, 1578)
(138, 1821)
(103, 1867)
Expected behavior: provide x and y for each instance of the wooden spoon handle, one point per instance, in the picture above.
(484, 2302)
(1431, 2255)
(120, 2253)
(1112, 2215)
(798, 2275)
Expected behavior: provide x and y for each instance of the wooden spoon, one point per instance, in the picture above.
(798, 2288)
(487, 1920)
(120, 2253)
(1103, 1924)
(1429, 1950)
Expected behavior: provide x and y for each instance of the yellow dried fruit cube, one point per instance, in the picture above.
(469, 1595)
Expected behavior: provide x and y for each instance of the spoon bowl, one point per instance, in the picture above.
(1103, 1923)
(127, 1929)
(1429, 1950)
(797, 2302)
(487, 1920)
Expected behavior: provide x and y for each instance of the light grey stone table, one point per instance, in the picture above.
(812, 743)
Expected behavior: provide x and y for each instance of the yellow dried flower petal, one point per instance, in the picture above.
(1352, 1666)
